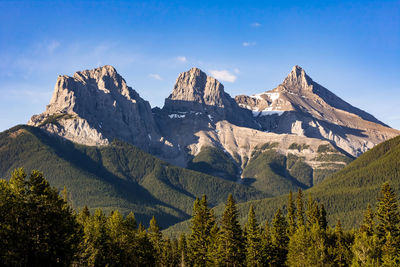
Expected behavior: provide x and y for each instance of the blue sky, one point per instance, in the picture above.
(350, 47)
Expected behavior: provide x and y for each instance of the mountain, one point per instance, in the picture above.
(114, 176)
(93, 107)
(303, 107)
(300, 130)
(345, 194)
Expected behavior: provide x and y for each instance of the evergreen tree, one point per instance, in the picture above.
(291, 214)
(212, 253)
(323, 222)
(37, 227)
(167, 257)
(387, 214)
(96, 243)
(300, 208)
(253, 240)
(366, 250)
(156, 239)
(143, 248)
(367, 225)
(267, 252)
(231, 250)
(298, 247)
(279, 238)
(182, 249)
(342, 255)
(390, 256)
(199, 240)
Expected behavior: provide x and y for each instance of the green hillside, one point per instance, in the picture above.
(345, 194)
(213, 161)
(118, 176)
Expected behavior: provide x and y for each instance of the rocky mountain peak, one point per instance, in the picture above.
(195, 86)
(95, 106)
(298, 81)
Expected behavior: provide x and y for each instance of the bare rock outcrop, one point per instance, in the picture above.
(303, 107)
(194, 91)
(95, 106)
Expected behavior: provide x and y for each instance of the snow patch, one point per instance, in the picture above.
(176, 116)
(273, 96)
(210, 117)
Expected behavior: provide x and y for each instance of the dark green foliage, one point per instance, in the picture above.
(270, 173)
(230, 240)
(291, 215)
(279, 238)
(37, 227)
(298, 146)
(302, 172)
(118, 176)
(253, 240)
(202, 224)
(334, 158)
(387, 214)
(54, 118)
(214, 162)
(325, 148)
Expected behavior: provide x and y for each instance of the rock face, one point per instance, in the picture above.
(303, 107)
(299, 116)
(95, 106)
(194, 91)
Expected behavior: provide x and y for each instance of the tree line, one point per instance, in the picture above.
(39, 228)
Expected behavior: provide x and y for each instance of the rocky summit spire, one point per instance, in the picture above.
(95, 106)
(195, 89)
(298, 80)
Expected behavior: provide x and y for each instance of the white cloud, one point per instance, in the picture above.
(181, 59)
(236, 70)
(247, 44)
(223, 75)
(255, 24)
(52, 46)
(155, 76)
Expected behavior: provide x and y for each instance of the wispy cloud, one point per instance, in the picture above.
(255, 24)
(247, 44)
(155, 76)
(52, 46)
(223, 75)
(236, 70)
(181, 59)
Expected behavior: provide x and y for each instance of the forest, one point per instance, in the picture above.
(38, 227)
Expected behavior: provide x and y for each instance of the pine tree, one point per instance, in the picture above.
(291, 214)
(212, 253)
(279, 238)
(143, 248)
(388, 215)
(342, 257)
(253, 240)
(390, 256)
(267, 251)
(37, 226)
(366, 250)
(367, 225)
(323, 222)
(182, 249)
(231, 250)
(199, 240)
(156, 239)
(300, 208)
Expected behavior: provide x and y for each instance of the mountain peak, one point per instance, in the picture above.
(298, 80)
(195, 86)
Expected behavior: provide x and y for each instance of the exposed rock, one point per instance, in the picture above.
(95, 106)
(194, 91)
(303, 107)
